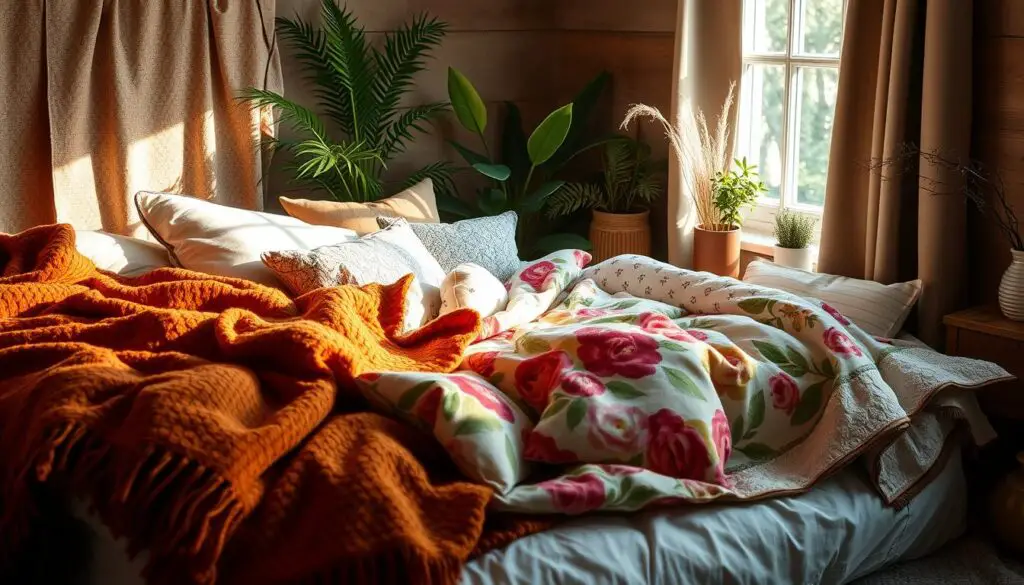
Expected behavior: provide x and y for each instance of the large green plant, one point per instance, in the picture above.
(358, 89)
(630, 180)
(521, 174)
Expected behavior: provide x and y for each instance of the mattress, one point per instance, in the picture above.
(838, 531)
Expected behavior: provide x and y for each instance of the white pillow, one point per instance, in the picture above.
(879, 309)
(471, 286)
(227, 241)
(383, 256)
(121, 254)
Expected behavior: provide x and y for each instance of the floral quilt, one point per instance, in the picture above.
(635, 383)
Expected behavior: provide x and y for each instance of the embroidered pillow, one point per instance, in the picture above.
(479, 427)
(486, 241)
(383, 256)
(472, 287)
(415, 204)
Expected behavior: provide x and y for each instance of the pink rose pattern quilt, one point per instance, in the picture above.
(635, 383)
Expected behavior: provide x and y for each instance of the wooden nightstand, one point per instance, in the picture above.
(984, 333)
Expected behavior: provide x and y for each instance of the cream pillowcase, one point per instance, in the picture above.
(121, 254)
(470, 286)
(879, 309)
(416, 204)
(227, 241)
(383, 256)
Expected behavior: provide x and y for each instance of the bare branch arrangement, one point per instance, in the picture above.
(984, 188)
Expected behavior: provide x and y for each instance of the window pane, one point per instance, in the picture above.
(762, 120)
(767, 23)
(816, 91)
(821, 23)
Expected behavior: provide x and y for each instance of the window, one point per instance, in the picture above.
(788, 99)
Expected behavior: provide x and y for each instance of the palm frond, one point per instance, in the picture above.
(349, 55)
(441, 175)
(299, 116)
(310, 47)
(619, 166)
(573, 197)
(399, 131)
(404, 54)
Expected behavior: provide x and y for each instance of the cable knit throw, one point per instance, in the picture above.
(211, 422)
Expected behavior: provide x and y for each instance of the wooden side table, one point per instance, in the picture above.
(983, 333)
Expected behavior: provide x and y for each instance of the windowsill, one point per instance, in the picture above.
(762, 243)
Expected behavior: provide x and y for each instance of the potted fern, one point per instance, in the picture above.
(359, 90)
(793, 234)
(619, 200)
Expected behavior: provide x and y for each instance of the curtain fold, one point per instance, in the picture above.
(121, 96)
(708, 59)
(905, 78)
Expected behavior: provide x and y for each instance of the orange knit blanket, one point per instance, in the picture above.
(212, 421)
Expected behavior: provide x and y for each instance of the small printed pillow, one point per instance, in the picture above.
(472, 287)
(479, 427)
(535, 288)
(485, 241)
(383, 256)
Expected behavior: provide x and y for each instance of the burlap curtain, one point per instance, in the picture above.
(905, 78)
(102, 98)
(709, 57)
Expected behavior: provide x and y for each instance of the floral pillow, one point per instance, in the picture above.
(535, 288)
(480, 428)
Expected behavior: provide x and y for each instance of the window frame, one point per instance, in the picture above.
(762, 217)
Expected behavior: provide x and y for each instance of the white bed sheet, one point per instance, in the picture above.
(838, 531)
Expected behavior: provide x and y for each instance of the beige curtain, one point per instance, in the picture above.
(709, 57)
(905, 77)
(103, 98)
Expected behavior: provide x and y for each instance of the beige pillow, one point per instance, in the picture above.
(416, 204)
(383, 256)
(471, 286)
(227, 241)
(879, 309)
(121, 254)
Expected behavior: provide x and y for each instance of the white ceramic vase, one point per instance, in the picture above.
(1011, 289)
(794, 258)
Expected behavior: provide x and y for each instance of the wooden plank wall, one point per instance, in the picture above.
(535, 53)
(998, 130)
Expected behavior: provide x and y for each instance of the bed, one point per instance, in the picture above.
(844, 452)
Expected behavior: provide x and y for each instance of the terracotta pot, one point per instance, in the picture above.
(717, 252)
(620, 233)
(1011, 289)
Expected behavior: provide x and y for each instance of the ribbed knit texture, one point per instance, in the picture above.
(212, 421)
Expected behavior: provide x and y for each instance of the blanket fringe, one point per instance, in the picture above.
(180, 511)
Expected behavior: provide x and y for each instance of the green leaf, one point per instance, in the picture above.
(496, 172)
(471, 156)
(492, 201)
(681, 381)
(510, 452)
(639, 496)
(561, 241)
(736, 429)
(623, 390)
(496, 379)
(672, 345)
(534, 344)
(476, 426)
(623, 305)
(513, 147)
(556, 407)
(797, 359)
(549, 135)
(771, 352)
(809, 405)
(612, 319)
(409, 398)
(534, 202)
(583, 106)
(469, 108)
(754, 306)
(453, 206)
(793, 370)
(827, 369)
(450, 405)
(755, 410)
(577, 410)
(758, 451)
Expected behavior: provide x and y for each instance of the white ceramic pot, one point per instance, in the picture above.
(801, 258)
(1011, 289)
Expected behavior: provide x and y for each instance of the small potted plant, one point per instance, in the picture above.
(619, 199)
(793, 234)
(716, 244)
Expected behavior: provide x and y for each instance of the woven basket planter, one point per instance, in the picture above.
(620, 233)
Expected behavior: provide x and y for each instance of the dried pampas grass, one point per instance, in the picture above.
(701, 154)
